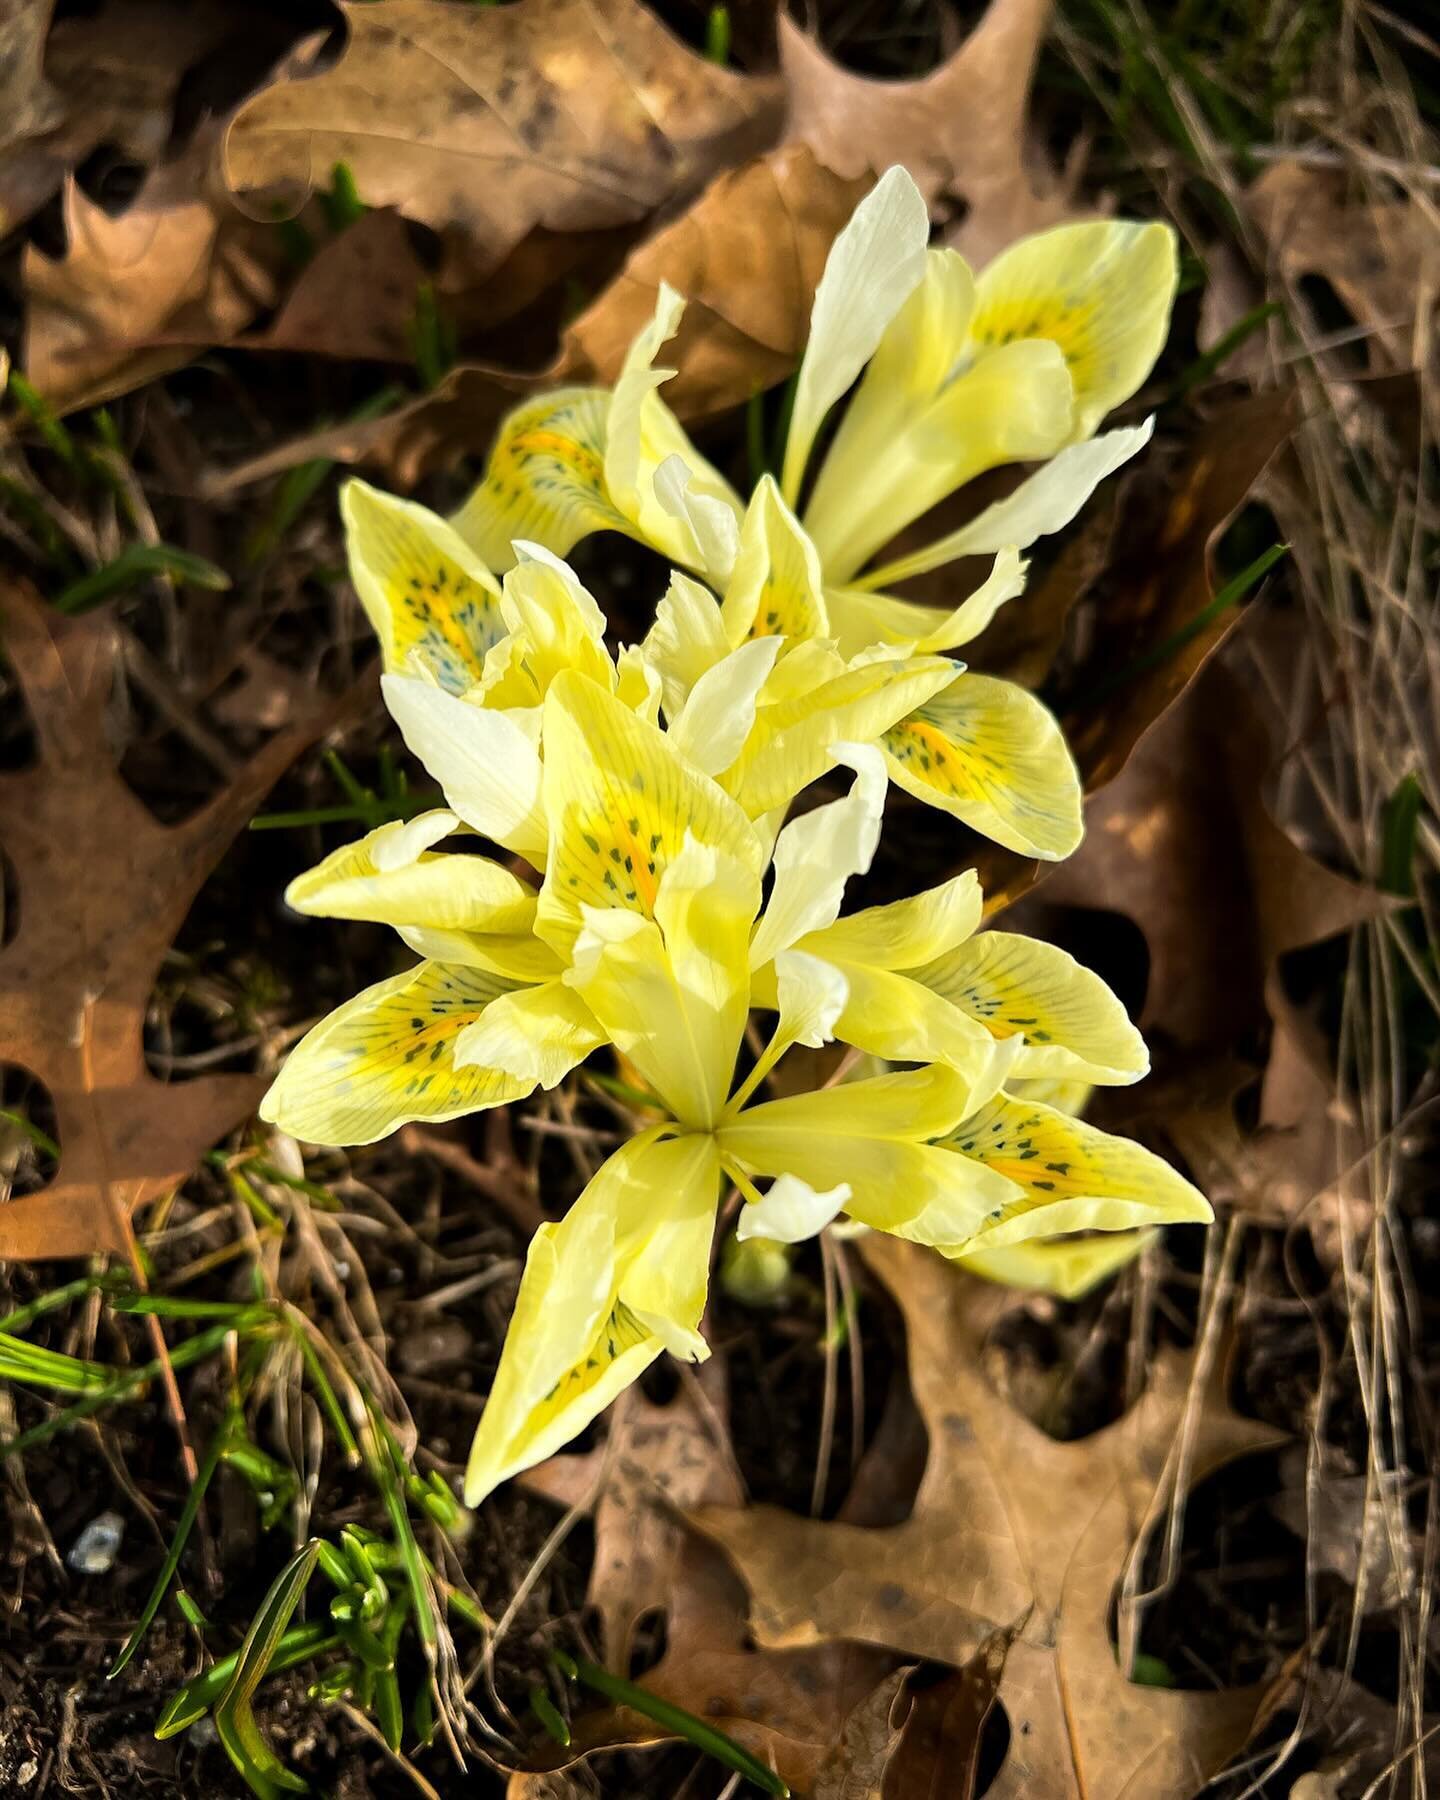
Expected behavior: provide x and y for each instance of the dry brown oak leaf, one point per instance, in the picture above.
(1011, 1528)
(961, 130)
(788, 1708)
(102, 889)
(571, 114)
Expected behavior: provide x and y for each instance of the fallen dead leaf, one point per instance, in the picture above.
(772, 224)
(355, 298)
(1012, 1529)
(28, 103)
(1382, 257)
(135, 293)
(960, 130)
(788, 1709)
(103, 888)
(109, 77)
(775, 219)
(571, 114)
(938, 1756)
(855, 1768)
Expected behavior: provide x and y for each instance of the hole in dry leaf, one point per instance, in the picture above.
(19, 746)
(9, 900)
(1063, 1364)
(1224, 1608)
(29, 1132)
(648, 1641)
(1330, 318)
(661, 1381)
(994, 1748)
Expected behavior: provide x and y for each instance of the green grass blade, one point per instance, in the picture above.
(235, 1721)
(300, 1644)
(188, 1515)
(38, 1367)
(685, 1725)
(136, 563)
(1229, 595)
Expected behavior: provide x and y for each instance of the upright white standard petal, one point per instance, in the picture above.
(791, 1211)
(719, 713)
(816, 854)
(709, 518)
(874, 266)
(487, 765)
(642, 435)
(1043, 503)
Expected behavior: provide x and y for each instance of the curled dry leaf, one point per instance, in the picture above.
(1182, 843)
(960, 130)
(855, 1769)
(770, 223)
(787, 1709)
(103, 888)
(1012, 1529)
(571, 114)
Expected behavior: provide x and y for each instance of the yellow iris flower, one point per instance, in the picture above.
(957, 374)
(647, 933)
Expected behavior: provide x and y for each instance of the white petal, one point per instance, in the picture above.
(719, 714)
(487, 765)
(816, 854)
(791, 1211)
(874, 265)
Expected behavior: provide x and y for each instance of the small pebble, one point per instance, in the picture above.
(202, 1733)
(95, 1550)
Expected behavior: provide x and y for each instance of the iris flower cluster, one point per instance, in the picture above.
(656, 884)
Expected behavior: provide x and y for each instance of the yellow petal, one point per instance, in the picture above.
(1013, 405)
(862, 619)
(1044, 502)
(905, 933)
(642, 434)
(891, 1016)
(710, 518)
(1073, 1177)
(1065, 1266)
(392, 877)
(776, 588)
(545, 481)
(620, 802)
(816, 854)
(637, 684)
(672, 993)
(388, 1056)
(620, 1278)
(990, 754)
(790, 745)
(874, 265)
(484, 760)
(1101, 290)
(537, 1034)
(557, 622)
(518, 955)
(687, 638)
(434, 604)
(1072, 1025)
(872, 1135)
